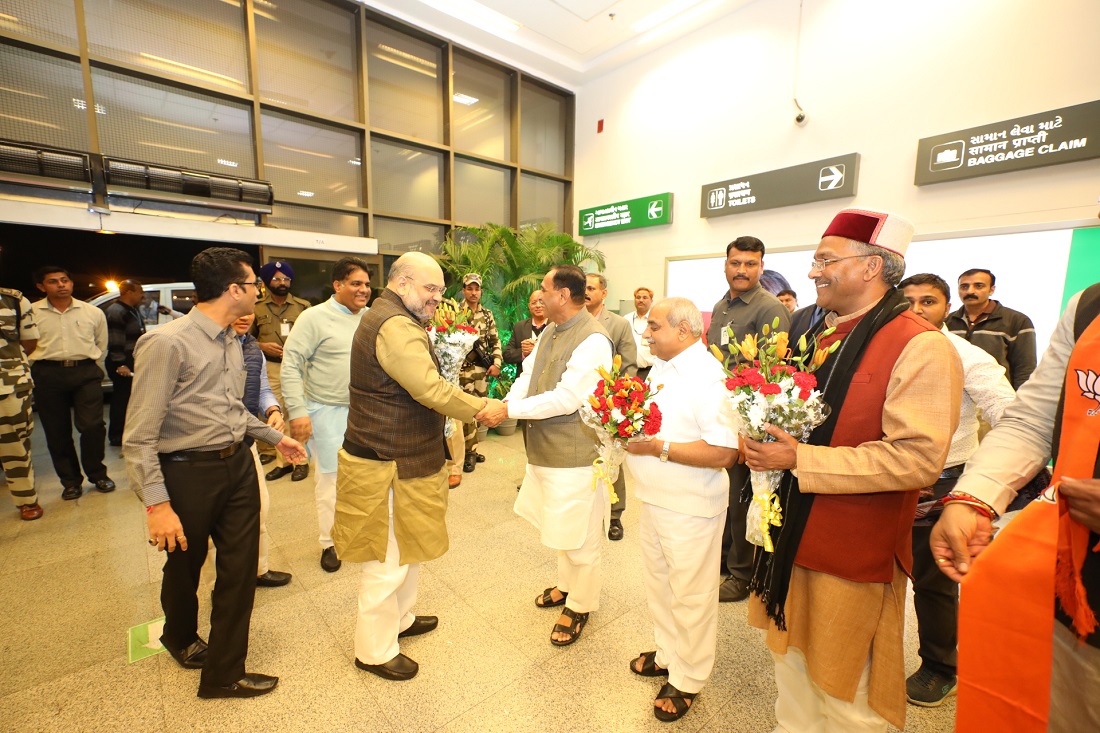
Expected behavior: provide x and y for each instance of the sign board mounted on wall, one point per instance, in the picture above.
(647, 211)
(1034, 141)
(831, 178)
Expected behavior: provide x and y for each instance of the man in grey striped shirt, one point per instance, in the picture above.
(184, 428)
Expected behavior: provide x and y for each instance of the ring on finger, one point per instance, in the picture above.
(153, 541)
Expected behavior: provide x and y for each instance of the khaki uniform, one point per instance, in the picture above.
(16, 423)
(269, 328)
(474, 379)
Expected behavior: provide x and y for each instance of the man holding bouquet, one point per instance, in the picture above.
(681, 482)
(557, 494)
(831, 597)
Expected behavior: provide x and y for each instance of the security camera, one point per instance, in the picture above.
(800, 119)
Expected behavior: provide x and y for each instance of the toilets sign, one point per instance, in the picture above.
(832, 178)
(647, 211)
(1047, 138)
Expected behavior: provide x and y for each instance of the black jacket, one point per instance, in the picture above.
(520, 332)
(1006, 335)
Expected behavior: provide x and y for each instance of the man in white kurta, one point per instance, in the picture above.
(558, 495)
(680, 480)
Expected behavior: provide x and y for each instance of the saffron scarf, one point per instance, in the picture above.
(1006, 619)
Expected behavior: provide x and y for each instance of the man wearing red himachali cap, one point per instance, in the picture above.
(832, 596)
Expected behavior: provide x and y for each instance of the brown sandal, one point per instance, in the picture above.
(546, 600)
(574, 629)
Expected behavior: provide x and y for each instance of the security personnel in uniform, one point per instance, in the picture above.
(276, 313)
(18, 334)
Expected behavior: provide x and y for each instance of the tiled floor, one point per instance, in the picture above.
(73, 582)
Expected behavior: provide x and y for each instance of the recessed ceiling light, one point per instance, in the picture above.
(230, 163)
(662, 14)
(465, 99)
(475, 14)
(306, 194)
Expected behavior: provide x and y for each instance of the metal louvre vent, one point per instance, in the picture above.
(26, 160)
(127, 178)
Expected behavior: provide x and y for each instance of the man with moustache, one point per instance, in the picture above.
(315, 374)
(746, 308)
(276, 314)
(474, 377)
(1007, 335)
(643, 299)
(557, 495)
(622, 340)
(391, 493)
(125, 325)
(833, 611)
(184, 451)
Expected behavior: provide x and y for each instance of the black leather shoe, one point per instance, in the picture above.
(273, 579)
(733, 590)
(398, 668)
(330, 563)
(278, 472)
(470, 463)
(250, 685)
(615, 530)
(300, 472)
(105, 485)
(72, 492)
(266, 458)
(190, 657)
(480, 458)
(116, 442)
(421, 625)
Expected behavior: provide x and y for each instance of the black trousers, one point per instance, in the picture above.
(61, 394)
(217, 499)
(120, 399)
(936, 598)
(737, 552)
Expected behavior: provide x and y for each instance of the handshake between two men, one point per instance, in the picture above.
(493, 413)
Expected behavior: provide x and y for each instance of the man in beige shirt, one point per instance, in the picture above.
(391, 486)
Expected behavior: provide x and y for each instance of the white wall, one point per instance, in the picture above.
(874, 77)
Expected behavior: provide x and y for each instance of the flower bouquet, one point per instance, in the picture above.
(452, 338)
(619, 409)
(773, 386)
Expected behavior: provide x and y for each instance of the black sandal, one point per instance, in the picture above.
(680, 700)
(574, 629)
(649, 665)
(546, 600)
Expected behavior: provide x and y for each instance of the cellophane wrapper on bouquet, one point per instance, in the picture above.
(452, 338)
(619, 409)
(773, 386)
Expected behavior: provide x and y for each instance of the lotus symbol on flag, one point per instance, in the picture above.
(1089, 382)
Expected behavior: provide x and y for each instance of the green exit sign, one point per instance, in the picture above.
(647, 211)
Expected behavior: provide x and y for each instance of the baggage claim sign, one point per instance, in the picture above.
(1046, 138)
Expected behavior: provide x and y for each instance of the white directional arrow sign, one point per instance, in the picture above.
(831, 176)
(656, 209)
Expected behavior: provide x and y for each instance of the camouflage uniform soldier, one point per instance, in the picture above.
(18, 332)
(474, 378)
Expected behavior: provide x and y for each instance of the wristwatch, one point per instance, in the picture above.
(664, 451)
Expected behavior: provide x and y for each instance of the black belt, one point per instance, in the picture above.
(360, 451)
(203, 455)
(274, 359)
(66, 362)
(952, 471)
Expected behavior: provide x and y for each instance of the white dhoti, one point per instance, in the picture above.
(679, 553)
(803, 707)
(261, 564)
(330, 422)
(387, 593)
(570, 516)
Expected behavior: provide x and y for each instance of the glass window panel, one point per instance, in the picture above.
(541, 200)
(154, 123)
(394, 235)
(306, 54)
(311, 163)
(42, 100)
(405, 84)
(482, 109)
(482, 193)
(196, 41)
(543, 126)
(407, 180)
(53, 21)
(303, 218)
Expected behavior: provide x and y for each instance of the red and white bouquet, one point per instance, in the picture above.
(620, 409)
(773, 386)
(452, 338)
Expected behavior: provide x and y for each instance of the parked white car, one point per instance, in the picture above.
(162, 303)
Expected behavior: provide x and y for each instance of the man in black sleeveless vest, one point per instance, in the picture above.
(391, 485)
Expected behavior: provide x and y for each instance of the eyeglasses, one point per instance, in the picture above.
(432, 289)
(818, 265)
(280, 280)
(257, 283)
